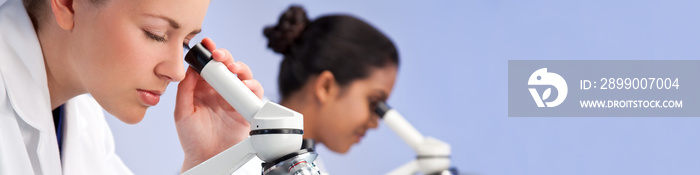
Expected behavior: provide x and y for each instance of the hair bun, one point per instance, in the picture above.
(289, 27)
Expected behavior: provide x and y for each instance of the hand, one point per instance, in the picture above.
(206, 123)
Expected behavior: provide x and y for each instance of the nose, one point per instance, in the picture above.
(172, 68)
(373, 121)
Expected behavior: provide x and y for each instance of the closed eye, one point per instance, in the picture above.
(373, 103)
(154, 36)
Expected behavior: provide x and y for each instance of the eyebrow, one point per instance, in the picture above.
(174, 23)
(195, 32)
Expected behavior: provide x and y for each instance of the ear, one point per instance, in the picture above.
(325, 87)
(64, 13)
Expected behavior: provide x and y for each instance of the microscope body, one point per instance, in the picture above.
(433, 155)
(276, 131)
(269, 143)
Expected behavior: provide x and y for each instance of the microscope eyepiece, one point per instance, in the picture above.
(198, 56)
(381, 109)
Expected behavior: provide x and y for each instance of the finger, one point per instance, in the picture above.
(185, 94)
(242, 70)
(222, 55)
(255, 86)
(209, 44)
(225, 57)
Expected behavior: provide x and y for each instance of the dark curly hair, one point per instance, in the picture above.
(344, 45)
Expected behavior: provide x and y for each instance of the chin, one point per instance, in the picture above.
(343, 149)
(133, 116)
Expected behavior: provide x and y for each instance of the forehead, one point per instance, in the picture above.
(380, 80)
(188, 13)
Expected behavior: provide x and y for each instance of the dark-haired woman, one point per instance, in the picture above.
(335, 69)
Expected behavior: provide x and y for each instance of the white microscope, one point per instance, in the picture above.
(276, 131)
(433, 156)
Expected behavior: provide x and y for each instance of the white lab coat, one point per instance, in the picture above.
(27, 136)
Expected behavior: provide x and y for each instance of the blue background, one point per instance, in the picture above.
(452, 84)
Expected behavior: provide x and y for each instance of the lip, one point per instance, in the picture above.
(359, 137)
(149, 97)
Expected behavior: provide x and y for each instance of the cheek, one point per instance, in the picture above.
(348, 115)
(112, 52)
(117, 62)
(345, 119)
(116, 73)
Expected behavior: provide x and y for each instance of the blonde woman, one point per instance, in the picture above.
(71, 59)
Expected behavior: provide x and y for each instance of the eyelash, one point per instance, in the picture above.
(162, 39)
(373, 103)
(154, 36)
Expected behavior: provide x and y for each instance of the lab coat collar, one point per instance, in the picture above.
(24, 74)
(31, 99)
